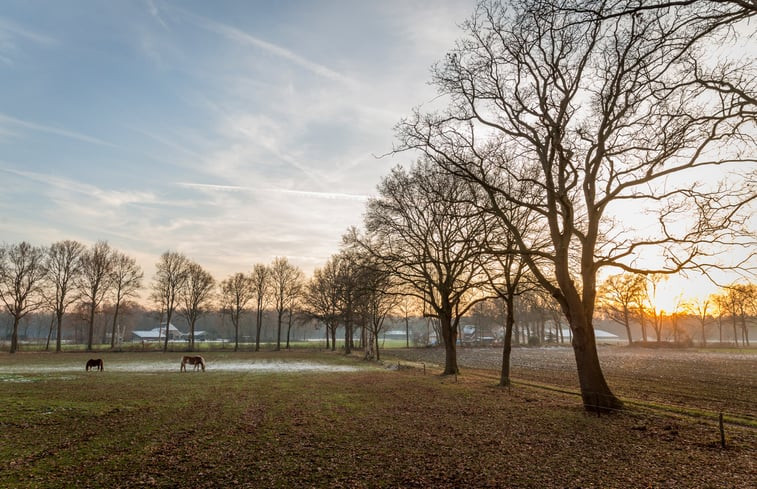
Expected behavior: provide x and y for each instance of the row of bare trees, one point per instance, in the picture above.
(61, 275)
(279, 284)
(631, 298)
(356, 291)
(562, 120)
(67, 273)
(184, 286)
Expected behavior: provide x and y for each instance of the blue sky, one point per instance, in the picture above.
(231, 131)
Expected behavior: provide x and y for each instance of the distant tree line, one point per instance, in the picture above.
(69, 275)
(630, 298)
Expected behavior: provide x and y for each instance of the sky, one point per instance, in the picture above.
(233, 132)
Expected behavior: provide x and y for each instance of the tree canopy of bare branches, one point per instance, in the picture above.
(261, 283)
(126, 279)
(195, 297)
(424, 227)
(619, 295)
(286, 285)
(236, 292)
(600, 109)
(322, 298)
(22, 273)
(170, 277)
(95, 281)
(63, 264)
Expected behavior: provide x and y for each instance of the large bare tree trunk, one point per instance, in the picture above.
(504, 378)
(735, 332)
(14, 335)
(450, 348)
(50, 332)
(278, 330)
(113, 329)
(59, 331)
(236, 333)
(595, 392)
(91, 328)
(258, 324)
(348, 336)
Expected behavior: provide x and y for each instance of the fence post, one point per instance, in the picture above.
(722, 430)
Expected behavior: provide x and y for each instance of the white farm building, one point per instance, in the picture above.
(158, 334)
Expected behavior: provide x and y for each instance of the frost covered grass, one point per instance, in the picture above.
(168, 362)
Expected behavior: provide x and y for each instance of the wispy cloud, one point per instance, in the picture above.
(241, 37)
(110, 198)
(8, 27)
(13, 36)
(301, 193)
(322, 195)
(155, 12)
(20, 123)
(213, 187)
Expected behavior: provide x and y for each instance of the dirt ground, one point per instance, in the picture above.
(708, 380)
(362, 427)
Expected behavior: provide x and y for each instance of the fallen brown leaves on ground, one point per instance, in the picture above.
(370, 428)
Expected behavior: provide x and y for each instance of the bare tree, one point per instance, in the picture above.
(22, 273)
(63, 264)
(195, 297)
(596, 112)
(236, 292)
(507, 271)
(348, 290)
(652, 309)
(407, 306)
(746, 295)
(322, 298)
(94, 284)
(720, 301)
(618, 296)
(376, 291)
(126, 279)
(701, 308)
(286, 282)
(261, 278)
(170, 277)
(424, 227)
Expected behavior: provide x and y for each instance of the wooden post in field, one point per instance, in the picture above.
(722, 430)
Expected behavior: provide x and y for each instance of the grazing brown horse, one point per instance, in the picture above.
(197, 361)
(95, 363)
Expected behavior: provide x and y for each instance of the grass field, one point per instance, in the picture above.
(318, 419)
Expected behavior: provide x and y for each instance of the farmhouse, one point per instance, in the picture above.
(157, 334)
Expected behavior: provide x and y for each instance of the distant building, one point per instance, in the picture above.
(158, 334)
(395, 334)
